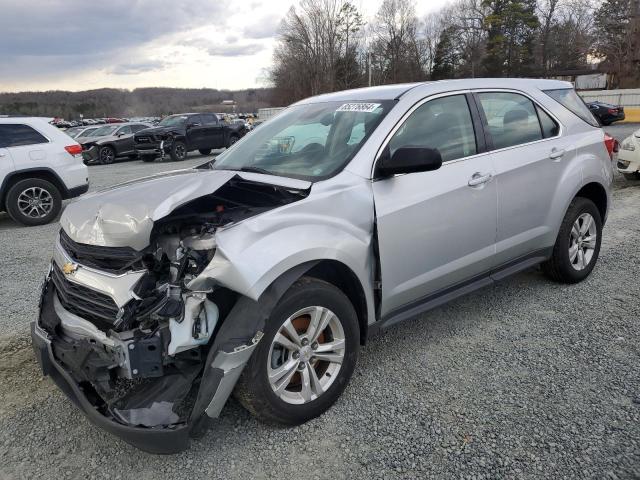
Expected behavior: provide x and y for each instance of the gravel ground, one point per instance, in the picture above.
(524, 379)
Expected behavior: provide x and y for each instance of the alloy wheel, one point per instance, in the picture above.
(180, 151)
(306, 355)
(35, 202)
(582, 242)
(107, 155)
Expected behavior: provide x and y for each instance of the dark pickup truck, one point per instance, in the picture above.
(177, 135)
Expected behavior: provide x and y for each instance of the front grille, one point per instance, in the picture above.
(98, 308)
(110, 259)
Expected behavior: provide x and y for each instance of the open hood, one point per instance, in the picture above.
(123, 216)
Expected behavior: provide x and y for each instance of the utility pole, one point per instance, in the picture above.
(369, 58)
(634, 31)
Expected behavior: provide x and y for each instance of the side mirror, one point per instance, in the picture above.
(409, 160)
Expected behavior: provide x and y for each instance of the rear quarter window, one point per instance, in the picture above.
(16, 135)
(569, 99)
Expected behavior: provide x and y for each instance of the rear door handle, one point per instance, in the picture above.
(479, 178)
(556, 153)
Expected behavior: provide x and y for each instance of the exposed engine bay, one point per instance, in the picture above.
(141, 362)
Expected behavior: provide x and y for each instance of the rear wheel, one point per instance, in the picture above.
(578, 243)
(33, 202)
(306, 357)
(205, 151)
(178, 151)
(106, 155)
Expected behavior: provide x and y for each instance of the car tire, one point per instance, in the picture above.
(178, 151)
(205, 151)
(577, 246)
(631, 176)
(106, 155)
(232, 139)
(148, 158)
(23, 191)
(255, 390)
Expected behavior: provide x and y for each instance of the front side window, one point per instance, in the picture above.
(16, 135)
(124, 130)
(443, 124)
(511, 117)
(310, 141)
(209, 119)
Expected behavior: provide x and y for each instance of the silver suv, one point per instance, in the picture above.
(263, 272)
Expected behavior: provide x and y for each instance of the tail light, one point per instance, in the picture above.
(610, 144)
(74, 149)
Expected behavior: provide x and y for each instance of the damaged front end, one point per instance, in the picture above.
(137, 338)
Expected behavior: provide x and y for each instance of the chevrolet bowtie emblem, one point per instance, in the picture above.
(68, 268)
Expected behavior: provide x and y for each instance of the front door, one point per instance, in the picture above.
(436, 229)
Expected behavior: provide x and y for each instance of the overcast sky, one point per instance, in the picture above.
(80, 44)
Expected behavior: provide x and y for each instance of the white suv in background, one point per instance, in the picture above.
(39, 167)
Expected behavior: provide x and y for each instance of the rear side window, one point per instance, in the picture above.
(549, 126)
(568, 98)
(209, 119)
(16, 135)
(512, 118)
(137, 128)
(443, 124)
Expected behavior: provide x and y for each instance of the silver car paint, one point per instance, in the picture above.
(336, 220)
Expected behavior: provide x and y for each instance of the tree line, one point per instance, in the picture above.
(111, 102)
(326, 45)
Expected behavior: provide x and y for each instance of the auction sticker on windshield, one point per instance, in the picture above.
(358, 107)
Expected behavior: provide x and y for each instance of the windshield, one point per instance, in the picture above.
(104, 131)
(172, 121)
(307, 141)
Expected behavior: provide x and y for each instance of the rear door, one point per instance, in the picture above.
(436, 230)
(214, 133)
(124, 141)
(529, 154)
(28, 147)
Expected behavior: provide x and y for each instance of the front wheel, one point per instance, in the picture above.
(178, 151)
(305, 358)
(578, 243)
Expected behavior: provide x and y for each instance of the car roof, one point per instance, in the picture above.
(393, 92)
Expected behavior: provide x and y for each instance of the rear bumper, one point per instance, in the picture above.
(163, 441)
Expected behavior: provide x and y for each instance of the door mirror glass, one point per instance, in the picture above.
(409, 160)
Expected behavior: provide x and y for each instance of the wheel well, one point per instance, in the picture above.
(41, 174)
(598, 195)
(341, 276)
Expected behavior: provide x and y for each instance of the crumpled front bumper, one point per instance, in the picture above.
(90, 154)
(220, 370)
(151, 440)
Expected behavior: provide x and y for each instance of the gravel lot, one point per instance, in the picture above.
(524, 379)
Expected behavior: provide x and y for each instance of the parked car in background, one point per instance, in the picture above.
(114, 120)
(39, 167)
(606, 113)
(77, 132)
(263, 272)
(110, 142)
(177, 135)
(629, 157)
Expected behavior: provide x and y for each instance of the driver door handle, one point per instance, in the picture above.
(556, 153)
(479, 178)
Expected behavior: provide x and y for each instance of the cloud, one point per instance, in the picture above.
(265, 27)
(140, 67)
(230, 49)
(73, 27)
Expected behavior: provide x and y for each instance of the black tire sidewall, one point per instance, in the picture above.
(233, 139)
(12, 202)
(175, 157)
(305, 293)
(578, 207)
(100, 155)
